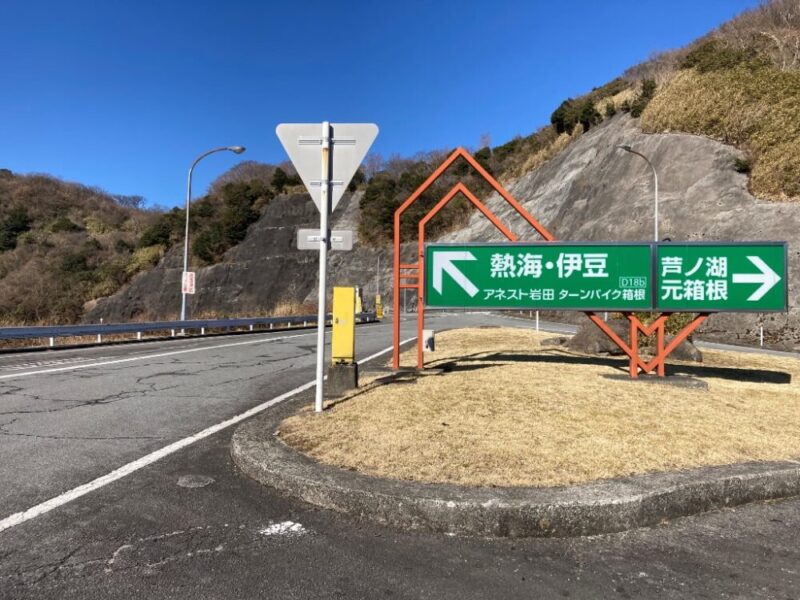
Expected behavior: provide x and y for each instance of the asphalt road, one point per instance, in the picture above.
(144, 535)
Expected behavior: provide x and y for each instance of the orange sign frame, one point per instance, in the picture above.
(415, 272)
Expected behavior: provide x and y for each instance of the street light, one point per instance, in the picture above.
(655, 183)
(235, 150)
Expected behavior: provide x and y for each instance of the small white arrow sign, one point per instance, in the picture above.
(767, 278)
(443, 262)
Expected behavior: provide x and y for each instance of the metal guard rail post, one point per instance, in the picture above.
(201, 325)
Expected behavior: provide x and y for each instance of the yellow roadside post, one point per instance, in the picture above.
(378, 307)
(359, 303)
(343, 371)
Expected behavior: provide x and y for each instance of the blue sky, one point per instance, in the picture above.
(124, 94)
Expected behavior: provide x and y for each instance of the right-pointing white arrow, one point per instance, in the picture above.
(767, 278)
(443, 261)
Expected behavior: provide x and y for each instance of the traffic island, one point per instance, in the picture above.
(513, 438)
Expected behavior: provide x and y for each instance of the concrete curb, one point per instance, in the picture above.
(591, 509)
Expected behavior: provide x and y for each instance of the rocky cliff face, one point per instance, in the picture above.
(590, 191)
(256, 276)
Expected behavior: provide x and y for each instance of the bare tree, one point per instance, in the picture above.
(372, 165)
(129, 201)
(773, 26)
(247, 170)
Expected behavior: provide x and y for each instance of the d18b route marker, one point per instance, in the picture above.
(742, 277)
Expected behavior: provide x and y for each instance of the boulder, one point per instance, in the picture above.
(590, 339)
(555, 341)
(686, 351)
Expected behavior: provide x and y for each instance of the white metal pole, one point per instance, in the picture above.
(761, 335)
(323, 260)
(186, 240)
(537, 320)
(234, 149)
(378, 277)
(655, 186)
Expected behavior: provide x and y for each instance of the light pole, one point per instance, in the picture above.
(235, 150)
(655, 184)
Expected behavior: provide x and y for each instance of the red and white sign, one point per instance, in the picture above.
(188, 282)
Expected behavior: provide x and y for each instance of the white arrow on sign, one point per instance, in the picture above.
(443, 262)
(349, 145)
(767, 278)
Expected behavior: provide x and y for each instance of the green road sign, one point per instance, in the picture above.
(741, 277)
(544, 276)
(701, 277)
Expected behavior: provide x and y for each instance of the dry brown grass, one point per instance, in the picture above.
(536, 160)
(512, 413)
(291, 308)
(754, 108)
(617, 100)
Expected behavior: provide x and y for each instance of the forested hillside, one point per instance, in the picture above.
(62, 244)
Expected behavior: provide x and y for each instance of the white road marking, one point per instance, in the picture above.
(50, 363)
(146, 356)
(125, 470)
(286, 528)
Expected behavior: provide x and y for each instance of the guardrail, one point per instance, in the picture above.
(200, 326)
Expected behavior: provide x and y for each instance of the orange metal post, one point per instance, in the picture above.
(662, 367)
(508, 197)
(420, 309)
(634, 342)
(676, 341)
(459, 188)
(458, 153)
(396, 295)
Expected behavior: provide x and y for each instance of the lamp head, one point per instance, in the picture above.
(236, 149)
(625, 147)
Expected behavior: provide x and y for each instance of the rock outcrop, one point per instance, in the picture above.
(592, 191)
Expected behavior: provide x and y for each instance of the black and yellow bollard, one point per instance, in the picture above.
(343, 371)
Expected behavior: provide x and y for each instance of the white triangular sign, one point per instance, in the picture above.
(350, 143)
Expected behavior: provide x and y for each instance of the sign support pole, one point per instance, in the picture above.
(324, 209)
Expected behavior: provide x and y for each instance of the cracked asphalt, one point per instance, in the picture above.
(146, 535)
